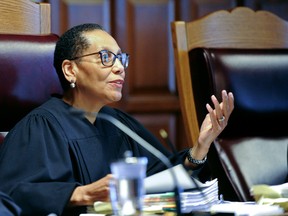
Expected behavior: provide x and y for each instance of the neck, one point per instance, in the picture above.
(91, 116)
(90, 113)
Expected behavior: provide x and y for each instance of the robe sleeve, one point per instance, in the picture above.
(36, 170)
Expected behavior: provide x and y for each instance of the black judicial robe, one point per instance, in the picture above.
(7, 206)
(54, 149)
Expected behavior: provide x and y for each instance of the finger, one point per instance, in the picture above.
(231, 102)
(218, 110)
(225, 104)
(213, 117)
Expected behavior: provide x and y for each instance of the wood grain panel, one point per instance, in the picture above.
(151, 72)
(279, 7)
(164, 121)
(24, 17)
(188, 10)
(75, 12)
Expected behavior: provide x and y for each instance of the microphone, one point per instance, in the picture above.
(126, 130)
(164, 135)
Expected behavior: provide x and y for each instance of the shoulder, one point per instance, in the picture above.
(41, 118)
(50, 111)
(43, 111)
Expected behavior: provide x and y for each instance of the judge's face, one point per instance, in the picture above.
(95, 82)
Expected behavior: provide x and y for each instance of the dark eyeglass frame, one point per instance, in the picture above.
(123, 58)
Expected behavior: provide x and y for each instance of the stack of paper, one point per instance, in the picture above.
(190, 201)
(200, 200)
(196, 196)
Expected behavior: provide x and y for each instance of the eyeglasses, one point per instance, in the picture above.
(108, 58)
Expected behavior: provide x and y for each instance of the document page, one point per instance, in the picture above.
(164, 182)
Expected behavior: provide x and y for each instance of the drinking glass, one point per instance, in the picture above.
(127, 186)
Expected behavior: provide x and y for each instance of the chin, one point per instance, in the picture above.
(117, 98)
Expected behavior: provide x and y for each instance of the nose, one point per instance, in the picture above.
(118, 68)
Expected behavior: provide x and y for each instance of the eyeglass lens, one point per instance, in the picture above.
(108, 58)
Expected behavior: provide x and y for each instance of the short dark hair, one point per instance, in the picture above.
(71, 44)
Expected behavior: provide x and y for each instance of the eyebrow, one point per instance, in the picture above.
(106, 48)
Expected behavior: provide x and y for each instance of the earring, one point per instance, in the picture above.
(72, 84)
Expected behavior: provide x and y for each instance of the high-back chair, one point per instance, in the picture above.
(27, 75)
(245, 52)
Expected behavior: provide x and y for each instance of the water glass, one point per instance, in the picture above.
(127, 187)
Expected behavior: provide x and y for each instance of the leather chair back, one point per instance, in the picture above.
(2, 136)
(27, 75)
(257, 77)
(253, 148)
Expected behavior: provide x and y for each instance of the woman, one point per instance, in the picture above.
(57, 158)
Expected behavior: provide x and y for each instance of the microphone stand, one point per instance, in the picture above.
(164, 135)
(149, 148)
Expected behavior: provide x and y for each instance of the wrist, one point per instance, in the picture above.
(79, 197)
(195, 160)
(200, 150)
(75, 198)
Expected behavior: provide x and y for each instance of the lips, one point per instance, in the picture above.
(119, 83)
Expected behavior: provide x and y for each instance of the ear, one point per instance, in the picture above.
(69, 69)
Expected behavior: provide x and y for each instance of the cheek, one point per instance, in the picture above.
(97, 78)
(102, 87)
